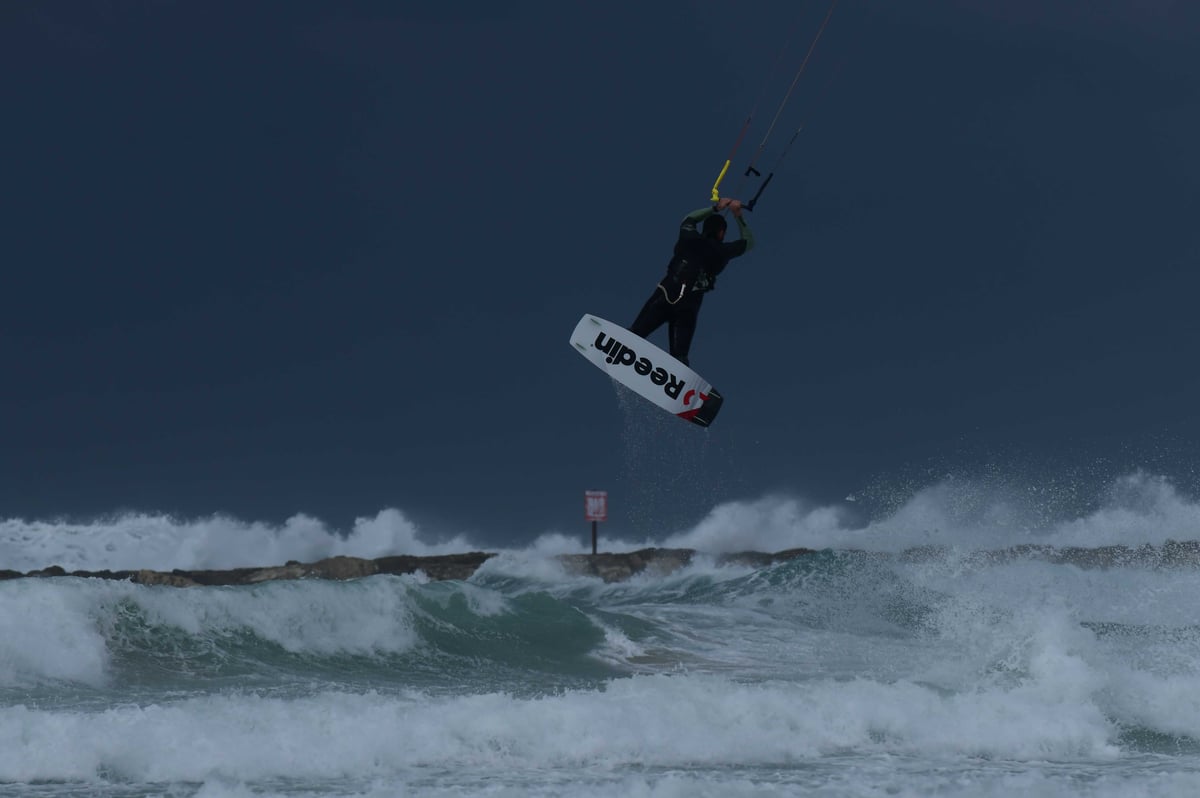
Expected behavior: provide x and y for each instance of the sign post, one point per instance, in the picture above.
(595, 508)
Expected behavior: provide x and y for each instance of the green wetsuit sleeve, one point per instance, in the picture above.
(746, 232)
(694, 218)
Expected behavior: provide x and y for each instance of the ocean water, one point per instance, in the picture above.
(850, 672)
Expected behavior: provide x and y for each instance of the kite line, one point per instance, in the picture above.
(750, 168)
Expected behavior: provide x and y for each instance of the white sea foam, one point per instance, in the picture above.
(159, 542)
(1135, 509)
(654, 721)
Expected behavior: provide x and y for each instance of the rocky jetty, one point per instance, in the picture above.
(621, 566)
(449, 566)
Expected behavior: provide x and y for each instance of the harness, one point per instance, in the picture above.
(702, 283)
(666, 296)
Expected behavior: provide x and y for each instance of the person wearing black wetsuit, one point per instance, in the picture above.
(700, 255)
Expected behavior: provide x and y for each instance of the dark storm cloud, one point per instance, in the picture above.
(268, 258)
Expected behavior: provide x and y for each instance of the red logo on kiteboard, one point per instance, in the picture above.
(688, 415)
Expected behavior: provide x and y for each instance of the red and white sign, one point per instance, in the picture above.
(595, 503)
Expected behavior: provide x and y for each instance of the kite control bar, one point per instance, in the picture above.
(754, 200)
(751, 171)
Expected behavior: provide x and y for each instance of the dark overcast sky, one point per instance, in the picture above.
(261, 258)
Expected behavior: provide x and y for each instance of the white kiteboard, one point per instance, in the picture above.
(646, 370)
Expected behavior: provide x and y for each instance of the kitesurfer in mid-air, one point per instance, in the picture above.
(700, 255)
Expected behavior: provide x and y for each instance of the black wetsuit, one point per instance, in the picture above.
(691, 273)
